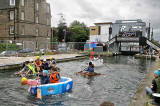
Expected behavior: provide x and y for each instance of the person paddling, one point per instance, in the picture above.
(55, 76)
(90, 68)
(44, 78)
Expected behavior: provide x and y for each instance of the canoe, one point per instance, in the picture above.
(65, 85)
(86, 74)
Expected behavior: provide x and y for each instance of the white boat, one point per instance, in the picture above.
(97, 62)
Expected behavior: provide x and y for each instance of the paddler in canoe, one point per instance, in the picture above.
(89, 71)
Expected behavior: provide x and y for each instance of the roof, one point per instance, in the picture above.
(102, 23)
(4, 4)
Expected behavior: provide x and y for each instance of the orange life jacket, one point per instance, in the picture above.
(54, 78)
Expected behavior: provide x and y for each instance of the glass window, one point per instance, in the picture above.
(48, 9)
(12, 2)
(48, 22)
(37, 20)
(22, 15)
(37, 6)
(11, 15)
(37, 32)
(11, 29)
(22, 2)
(22, 31)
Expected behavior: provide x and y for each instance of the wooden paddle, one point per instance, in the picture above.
(39, 95)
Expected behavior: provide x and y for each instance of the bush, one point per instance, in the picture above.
(8, 46)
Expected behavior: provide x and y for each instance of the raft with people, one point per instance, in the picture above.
(48, 83)
(31, 68)
(89, 71)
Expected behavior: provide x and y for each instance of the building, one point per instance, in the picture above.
(101, 32)
(25, 21)
(123, 35)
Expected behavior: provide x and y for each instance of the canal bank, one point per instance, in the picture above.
(8, 63)
(140, 98)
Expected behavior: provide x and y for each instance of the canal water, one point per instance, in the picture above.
(121, 77)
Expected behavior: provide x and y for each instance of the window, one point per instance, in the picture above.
(11, 29)
(48, 9)
(37, 19)
(11, 15)
(22, 2)
(37, 6)
(12, 2)
(37, 32)
(22, 30)
(22, 15)
(48, 22)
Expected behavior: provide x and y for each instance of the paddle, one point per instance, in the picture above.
(39, 95)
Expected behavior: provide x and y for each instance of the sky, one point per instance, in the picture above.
(92, 11)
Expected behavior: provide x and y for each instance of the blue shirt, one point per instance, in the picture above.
(90, 69)
(44, 80)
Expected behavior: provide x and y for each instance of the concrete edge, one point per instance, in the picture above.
(19, 65)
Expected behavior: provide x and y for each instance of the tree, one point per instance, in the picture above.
(80, 31)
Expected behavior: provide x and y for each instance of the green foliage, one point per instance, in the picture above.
(8, 46)
(80, 31)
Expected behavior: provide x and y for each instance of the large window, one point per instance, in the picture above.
(11, 29)
(12, 2)
(22, 15)
(48, 9)
(48, 22)
(22, 30)
(11, 15)
(37, 19)
(22, 2)
(37, 32)
(37, 6)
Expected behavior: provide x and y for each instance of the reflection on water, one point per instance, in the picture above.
(120, 78)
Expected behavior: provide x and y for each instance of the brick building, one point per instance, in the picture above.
(25, 21)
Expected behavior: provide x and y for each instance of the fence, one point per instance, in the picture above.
(25, 48)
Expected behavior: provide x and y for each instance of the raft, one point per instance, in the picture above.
(85, 74)
(65, 85)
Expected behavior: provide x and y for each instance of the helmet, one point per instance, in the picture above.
(31, 60)
(50, 57)
(45, 71)
(37, 57)
(24, 81)
(157, 72)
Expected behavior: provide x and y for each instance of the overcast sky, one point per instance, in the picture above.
(91, 11)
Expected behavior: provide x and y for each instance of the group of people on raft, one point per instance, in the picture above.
(155, 87)
(45, 72)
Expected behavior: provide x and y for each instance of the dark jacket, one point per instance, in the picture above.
(154, 85)
(44, 80)
(45, 66)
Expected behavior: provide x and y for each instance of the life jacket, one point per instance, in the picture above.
(158, 85)
(54, 78)
(32, 68)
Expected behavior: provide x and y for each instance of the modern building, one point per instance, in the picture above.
(123, 35)
(101, 32)
(25, 21)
